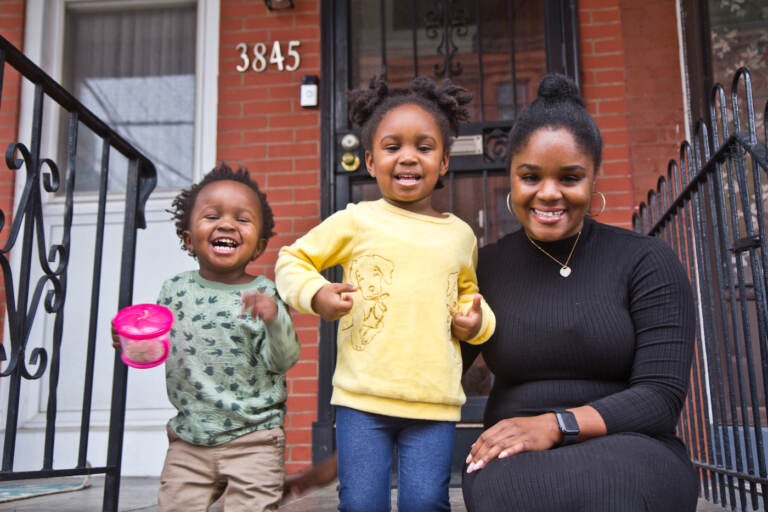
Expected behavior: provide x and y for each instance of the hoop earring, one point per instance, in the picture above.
(509, 207)
(604, 203)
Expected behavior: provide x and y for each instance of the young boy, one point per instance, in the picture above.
(231, 344)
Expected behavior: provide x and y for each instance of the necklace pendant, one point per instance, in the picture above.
(565, 271)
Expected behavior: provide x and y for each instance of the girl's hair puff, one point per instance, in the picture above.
(558, 105)
(184, 202)
(445, 101)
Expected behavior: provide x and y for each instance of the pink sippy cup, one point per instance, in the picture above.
(143, 331)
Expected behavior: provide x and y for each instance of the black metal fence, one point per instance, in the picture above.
(711, 207)
(35, 270)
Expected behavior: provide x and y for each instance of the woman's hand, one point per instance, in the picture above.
(333, 301)
(512, 436)
(465, 326)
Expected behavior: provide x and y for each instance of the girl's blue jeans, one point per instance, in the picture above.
(366, 443)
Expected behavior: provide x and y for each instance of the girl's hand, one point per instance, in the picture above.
(512, 436)
(333, 301)
(465, 326)
(259, 305)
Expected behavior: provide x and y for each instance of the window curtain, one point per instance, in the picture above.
(135, 69)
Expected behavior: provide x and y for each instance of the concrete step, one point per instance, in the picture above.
(139, 495)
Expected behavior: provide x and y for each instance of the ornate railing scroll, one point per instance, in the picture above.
(711, 208)
(37, 283)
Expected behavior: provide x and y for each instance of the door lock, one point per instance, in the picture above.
(349, 142)
(350, 162)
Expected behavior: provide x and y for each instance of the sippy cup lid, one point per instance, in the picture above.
(143, 321)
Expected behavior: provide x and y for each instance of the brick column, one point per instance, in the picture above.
(262, 126)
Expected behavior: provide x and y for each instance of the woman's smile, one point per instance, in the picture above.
(551, 185)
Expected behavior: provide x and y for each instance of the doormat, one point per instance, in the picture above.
(22, 489)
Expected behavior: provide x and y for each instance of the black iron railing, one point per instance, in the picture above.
(36, 280)
(711, 207)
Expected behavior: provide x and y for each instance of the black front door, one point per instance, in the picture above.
(498, 49)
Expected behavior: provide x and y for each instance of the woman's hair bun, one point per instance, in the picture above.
(554, 87)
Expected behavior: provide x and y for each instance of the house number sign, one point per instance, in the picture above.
(258, 58)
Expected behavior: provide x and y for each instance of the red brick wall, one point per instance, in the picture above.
(262, 126)
(654, 90)
(603, 84)
(632, 86)
(11, 28)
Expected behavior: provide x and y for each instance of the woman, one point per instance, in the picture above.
(593, 344)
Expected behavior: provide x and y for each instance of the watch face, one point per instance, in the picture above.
(568, 423)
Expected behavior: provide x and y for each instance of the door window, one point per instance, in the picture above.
(494, 48)
(135, 69)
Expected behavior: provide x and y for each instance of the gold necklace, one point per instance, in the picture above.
(565, 270)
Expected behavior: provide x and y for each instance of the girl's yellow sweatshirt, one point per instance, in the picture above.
(396, 355)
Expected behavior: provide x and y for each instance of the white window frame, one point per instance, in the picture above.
(43, 44)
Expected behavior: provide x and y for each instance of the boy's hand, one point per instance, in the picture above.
(465, 326)
(259, 305)
(115, 338)
(333, 301)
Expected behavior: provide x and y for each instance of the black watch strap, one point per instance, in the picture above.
(568, 425)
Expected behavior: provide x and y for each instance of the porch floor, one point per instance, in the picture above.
(138, 494)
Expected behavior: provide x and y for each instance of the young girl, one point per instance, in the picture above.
(409, 293)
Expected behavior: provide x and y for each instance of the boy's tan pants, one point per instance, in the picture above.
(244, 474)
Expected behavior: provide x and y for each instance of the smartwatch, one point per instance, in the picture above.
(568, 425)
